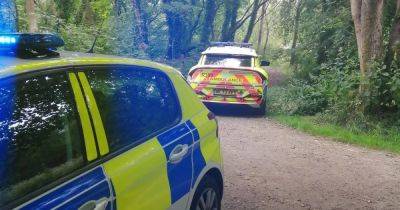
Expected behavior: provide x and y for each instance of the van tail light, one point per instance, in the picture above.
(211, 116)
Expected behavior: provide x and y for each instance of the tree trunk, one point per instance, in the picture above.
(30, 12)
(141, 23)
(208, 25)
(394, 40)
(252, 21)
(266, 39)
(229, 26)
(261, 29)
(293, 57)
(324, 36)
(86, 14)
(227, 17)
(119, 5)
(178, 33)
(367, 17)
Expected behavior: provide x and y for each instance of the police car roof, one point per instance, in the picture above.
(231, 50)
(10, 65)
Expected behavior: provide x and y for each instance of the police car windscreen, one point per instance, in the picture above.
(228, 60)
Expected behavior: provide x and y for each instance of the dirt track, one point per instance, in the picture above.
(270, 166)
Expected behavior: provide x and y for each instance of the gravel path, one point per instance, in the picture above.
(270, 166)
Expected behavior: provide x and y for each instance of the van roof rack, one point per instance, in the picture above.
(231, 44)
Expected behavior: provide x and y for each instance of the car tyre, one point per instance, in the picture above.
(207, 195)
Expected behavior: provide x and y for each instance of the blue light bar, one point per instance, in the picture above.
(30, 45)
(232, 44)
(8, 40)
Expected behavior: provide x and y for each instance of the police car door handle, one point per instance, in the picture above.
(178, 153)
(95, 205)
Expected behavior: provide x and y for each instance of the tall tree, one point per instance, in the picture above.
(66, 9)
(30, 12)
(208, 25)
(293, 57)
(182, 25)
(394, 40)
(119, 6)
(229, 25)
(176, 30)
(261, 26)
(142, 25)
(252, 20)
(86, 14)
(266, 38)
(367, 17)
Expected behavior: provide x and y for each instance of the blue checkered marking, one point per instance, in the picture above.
(91, 186)
(198, 159)
(180, 174)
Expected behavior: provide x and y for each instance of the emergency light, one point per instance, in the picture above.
(231, 44)
(30, 45)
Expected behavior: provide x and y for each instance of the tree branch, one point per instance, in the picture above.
(241, 21)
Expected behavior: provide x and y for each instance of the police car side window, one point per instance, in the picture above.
(40, 135)
(134, 103)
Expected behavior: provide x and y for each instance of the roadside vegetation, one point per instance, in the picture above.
(330, 91)
(377, 138)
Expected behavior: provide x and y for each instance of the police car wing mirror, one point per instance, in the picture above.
(265, 63)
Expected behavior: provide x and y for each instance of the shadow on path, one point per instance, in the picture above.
(234, 110)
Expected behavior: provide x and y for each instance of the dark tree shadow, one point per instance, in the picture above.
(233, 110)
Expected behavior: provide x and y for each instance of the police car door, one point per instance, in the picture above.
(47, 146)
(149, 160)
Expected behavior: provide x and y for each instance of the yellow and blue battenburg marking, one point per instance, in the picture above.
(95, 185)
(180, 174)
(198, 159)
(91, 186)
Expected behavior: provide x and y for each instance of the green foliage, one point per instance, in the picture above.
(297, 97)
(326, 78)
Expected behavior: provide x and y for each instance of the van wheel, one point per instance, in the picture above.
(262, 109)
(207, 196)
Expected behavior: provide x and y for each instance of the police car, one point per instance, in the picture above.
(231, 73)
(84, 131)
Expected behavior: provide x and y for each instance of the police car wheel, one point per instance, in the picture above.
(207, 196)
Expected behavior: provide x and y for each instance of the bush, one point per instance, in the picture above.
(333, 94)
(296, 98)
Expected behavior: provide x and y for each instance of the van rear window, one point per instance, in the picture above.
(228, 60)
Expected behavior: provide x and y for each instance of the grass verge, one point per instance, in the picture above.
(373, 139)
